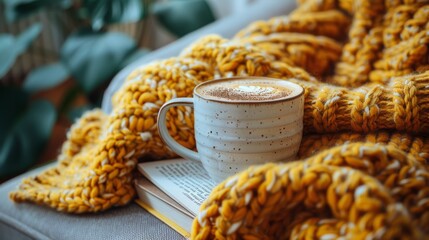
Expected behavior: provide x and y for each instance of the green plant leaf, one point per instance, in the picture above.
(27, 37)
(77, 112)
(8, 53)
(25, 133)
(66, 102)
(134, 56)
(105, 12)
(46, 77)
(12, 101)
(183, 17)
(11, 47)
(18, 9)
(93, 57)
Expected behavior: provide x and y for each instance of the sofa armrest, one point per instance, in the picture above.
(226, 27)
(29, 221)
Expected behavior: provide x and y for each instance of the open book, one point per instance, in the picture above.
(173, 190)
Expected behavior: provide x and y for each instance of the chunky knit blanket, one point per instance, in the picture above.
(363, 169)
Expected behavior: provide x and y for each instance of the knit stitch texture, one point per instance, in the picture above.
(363, 169)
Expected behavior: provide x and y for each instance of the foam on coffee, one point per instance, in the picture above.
(245, 90)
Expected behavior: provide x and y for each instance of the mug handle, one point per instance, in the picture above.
(165, 135)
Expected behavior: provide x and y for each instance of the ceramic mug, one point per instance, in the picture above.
(233, 132)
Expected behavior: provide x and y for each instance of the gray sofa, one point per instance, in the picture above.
(28, 221)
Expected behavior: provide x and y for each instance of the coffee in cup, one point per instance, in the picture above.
(245, 90)
(241, 122)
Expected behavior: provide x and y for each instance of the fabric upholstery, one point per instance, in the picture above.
(29, 221)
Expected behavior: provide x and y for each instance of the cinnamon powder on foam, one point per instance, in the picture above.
(246, 92)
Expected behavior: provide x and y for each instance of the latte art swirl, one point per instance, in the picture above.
(245, 90)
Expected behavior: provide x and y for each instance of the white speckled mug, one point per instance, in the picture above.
(262, 123)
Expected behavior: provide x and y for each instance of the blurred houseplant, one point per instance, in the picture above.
(89, 57)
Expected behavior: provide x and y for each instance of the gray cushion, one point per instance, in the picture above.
(26, 221)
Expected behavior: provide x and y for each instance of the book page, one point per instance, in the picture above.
(144, 184)
(183, 180)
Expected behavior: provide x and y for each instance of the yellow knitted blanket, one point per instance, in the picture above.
(363, 171)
